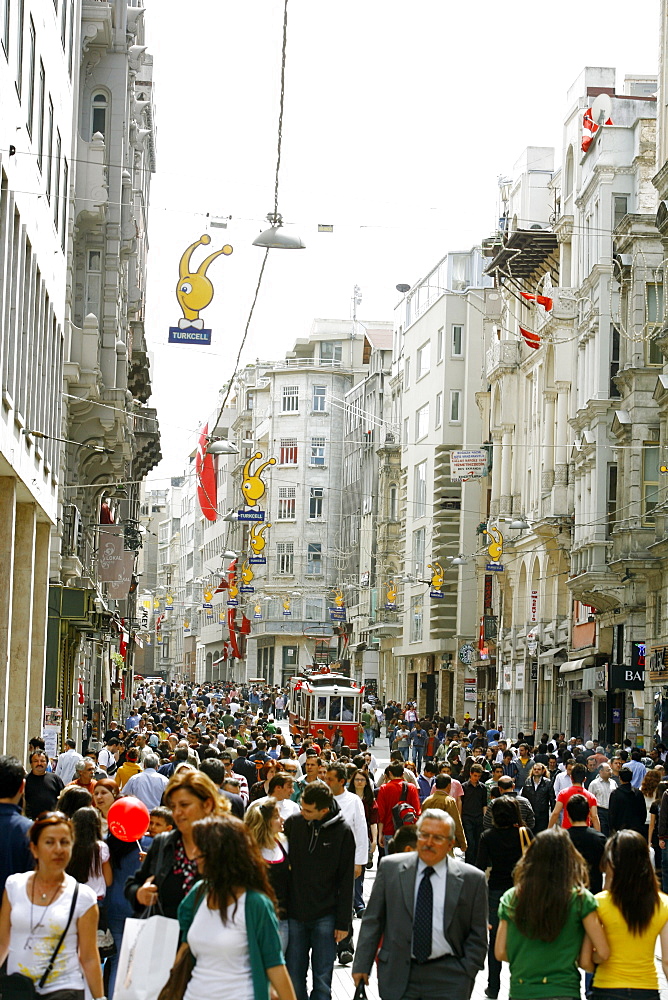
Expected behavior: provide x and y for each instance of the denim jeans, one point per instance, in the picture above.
(358, 898)
(369, 736)
(623, 993)
(404, 752)
(493, 964)
(314, 939)
(417, 758)
(473, 828)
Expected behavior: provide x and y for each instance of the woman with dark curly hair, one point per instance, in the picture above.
(234, 938)
(543, 920)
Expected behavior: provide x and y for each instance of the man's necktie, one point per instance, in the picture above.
(422, 918)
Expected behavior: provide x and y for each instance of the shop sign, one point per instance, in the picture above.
(534, 605)
(470, 689)
(626, 678)
(658, 664)
(519, 677)
(468, 464)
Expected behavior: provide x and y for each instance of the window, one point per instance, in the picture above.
(439, 345)
(439, 410)
(66, 181)
(394, 502)
(650, 480)
(654, 291)
(290, 403)
(658, 615)
(314, 559)
(288, 451)
(330, 350)
(6, 8)
(416, 618)
(619, 208)
(422, 422)
(423, 359)
(286, 503)
(63, 24)
(93, 282)
(313, 609)
(418, 553)
(406, 431)
(286, 558)
(315, 503)
(56, 200)
(614, 361)
(250, 400)
(31, 79)
(317, 451)
(612, 497)
(49, 170)
(98, 114)
(70, 54)
(457, 342)
(40, 119)
(19, 48)
(420, 498)
(319, 398)
(407, 373)
(454, 406)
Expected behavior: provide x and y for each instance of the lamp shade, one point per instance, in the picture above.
(275, 238)
(222, 447)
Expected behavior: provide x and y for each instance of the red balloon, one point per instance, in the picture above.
(128, 818)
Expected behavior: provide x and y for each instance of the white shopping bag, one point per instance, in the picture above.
(147, 954)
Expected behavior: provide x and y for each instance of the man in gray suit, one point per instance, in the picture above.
(430, 910)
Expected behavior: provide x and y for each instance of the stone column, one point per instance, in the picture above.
(7, 515)
(547, 477)
(21, 640)
(506, 472)
(39, 621)
(496, 475)
(561, 451)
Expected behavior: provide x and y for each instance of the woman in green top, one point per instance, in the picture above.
(544, 918)
(229, 920)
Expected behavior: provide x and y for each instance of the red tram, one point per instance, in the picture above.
(327, 701)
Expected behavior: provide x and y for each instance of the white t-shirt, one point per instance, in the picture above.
(96, 882)
(222, 969)
(31, 947)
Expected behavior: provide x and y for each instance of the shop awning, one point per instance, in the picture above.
(571, 665)
(549, 654)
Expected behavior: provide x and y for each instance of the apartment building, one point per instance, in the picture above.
(438, 357)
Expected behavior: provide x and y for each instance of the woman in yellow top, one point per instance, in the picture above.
(633, 913)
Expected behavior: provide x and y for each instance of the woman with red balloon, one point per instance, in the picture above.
(169, 869)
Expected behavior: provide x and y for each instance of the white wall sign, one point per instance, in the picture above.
(467, 464)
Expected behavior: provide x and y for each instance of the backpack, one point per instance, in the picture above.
(403, 813)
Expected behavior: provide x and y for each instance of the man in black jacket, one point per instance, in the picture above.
(627, 810)
(539, 791)
(320, 899)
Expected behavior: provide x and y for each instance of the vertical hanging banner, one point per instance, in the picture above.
(206, 478)
(194, 292)
(115, 563)
(253, 488)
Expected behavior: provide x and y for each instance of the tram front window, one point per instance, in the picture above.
(334, 709)
(322, 707)
(348, 709)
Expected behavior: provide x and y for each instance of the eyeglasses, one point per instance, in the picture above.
(431, 836)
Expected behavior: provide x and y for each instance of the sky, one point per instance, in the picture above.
(398, 120)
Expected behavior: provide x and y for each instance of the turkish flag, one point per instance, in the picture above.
(245, 625)
(81, 697)
(206, 478)
(543, 300)
(530, 339)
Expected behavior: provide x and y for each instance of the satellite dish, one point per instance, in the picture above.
(601, 109)
(403, 288)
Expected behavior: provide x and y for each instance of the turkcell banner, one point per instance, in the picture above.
(189, 335)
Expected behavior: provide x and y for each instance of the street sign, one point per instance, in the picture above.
(250, 515)
(189, 335)
(494, 568)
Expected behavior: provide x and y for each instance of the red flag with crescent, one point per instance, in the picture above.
(206, 478)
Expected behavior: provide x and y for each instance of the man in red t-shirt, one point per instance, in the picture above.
(388, 795)
(578, 775)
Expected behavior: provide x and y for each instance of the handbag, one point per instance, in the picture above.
(179, 976)
(525, 839)
(146, 956)
(360, 991)
(16, 986)
(105, 939)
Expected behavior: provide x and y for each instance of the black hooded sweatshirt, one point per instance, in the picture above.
(322, 868)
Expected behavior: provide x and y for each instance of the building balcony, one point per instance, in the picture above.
(502, 358)
(97, 27)
(147, 442)
(92, 189)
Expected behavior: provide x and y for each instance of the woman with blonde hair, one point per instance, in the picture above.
(266, 825)
(169, 869)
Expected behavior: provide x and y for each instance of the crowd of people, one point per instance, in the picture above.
(544, 853)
